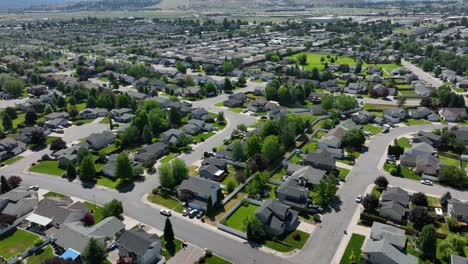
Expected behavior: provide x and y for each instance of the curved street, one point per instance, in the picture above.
(320, 247)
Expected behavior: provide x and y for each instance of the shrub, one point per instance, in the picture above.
(208, 253)
(297, 236)
(368, 219)
(316, 218)
(45, 157)
(155, 191)
(453, 224)
(38, 242)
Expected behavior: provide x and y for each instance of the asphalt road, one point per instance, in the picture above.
(422, 75)
(324, 241)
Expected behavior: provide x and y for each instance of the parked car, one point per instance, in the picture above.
(165, 212)
(359, 199)
(245, 111)
(33, 188)
(186, 211)
(427, 182)
(359, 97)
(200, 214)
(193, 213)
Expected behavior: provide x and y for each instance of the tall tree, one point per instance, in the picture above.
(271, 149)
(427, 242)
(30, 117)
(113, 208)
(123, 167)
(6, 122)
(169, 236)
(4, 186)
(94, 252)
(87, 169)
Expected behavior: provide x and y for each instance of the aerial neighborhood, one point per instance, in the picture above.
(180, 133)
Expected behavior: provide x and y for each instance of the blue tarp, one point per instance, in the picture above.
(70, 253)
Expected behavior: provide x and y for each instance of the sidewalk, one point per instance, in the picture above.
(353, 227)
(187, 256)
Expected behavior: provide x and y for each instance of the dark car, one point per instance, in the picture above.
(193, 213)
(200, 214)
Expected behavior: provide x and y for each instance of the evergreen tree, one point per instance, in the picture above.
(30, 117)
(147, 135)
(169, 237)
(71, 171)
(94, 252)
(6, 122)
(427, 242)
(4, 186)
(87, 169)
(209, 205)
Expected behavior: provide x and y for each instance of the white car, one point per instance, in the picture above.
(359, 199)
(33, 188)
(165, 212)
(426, 182)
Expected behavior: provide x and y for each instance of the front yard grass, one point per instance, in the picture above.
(167, 254)
(216, 260)
(108, 150)
(47, 167)
(295, 159)
(203, 136)
(449, 161)
(405, 171)
(310, 147)
(314, 60)
(236, 109)
(12, 160)
(54, 194)
(342, 174)
(98, 211)
(279, 174)
(109, 183)
(415, 122)
(354, 246)
(41, 256)
(50, 139)
(404, 142)
(288, 243)
(374, 130)
(167, 158)
(236, 219)
(376, 191)
(16, 242)
(169, 203)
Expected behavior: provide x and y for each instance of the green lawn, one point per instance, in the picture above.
(376, 191)
(169, 203)
(449, 161)
(354, 245)
(407, 92)
(272, 190)
(106, 182)
(16, 242)
(374, 130)
(319, 134)
(343, 173)
(313, 60)
(47, 167)
(404, 142)
(50, 139)
(203, 136)
(108, 150)
(288, 243)
(165, 253)
(236, 109)
(168, 157)
(310, 147)
(216, 260)
(97, 211)
(40, 257)
(54, 194)
(219, 104)
(377, 107)
(12, 160)
(405, 171)
(433, 201)
(415, 122)
(279, 174)
(295, 159)
(236, 220)
(230, 177)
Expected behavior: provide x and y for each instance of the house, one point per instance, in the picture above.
(363, 117)
(277, 217)
(458, 210)
(394, 114)
(423, 90)
(202, 114)
(211, 172)
(452, 114)
(219, 163)
(75, 235)
(122, 115)
(461, 132)
(98, 141)
(200, 189)
(355, 88)
(320, 161)
(61, 210)
(57, 123)
(308, 176)
(204, 127)
(10, 147)
(38, 90)
(427, 165)
(418, 149)
(386, 246)
(232, 103)
(191, 129)
(55, 115)
(150, 153)
(142, 247)
(17, 203)
(420, 112)
(394, 203)
(90, 113)
(293, 193)
(433, 138)
(191, 91)
(172, 136)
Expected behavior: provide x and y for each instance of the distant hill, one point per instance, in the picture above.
(7, 4)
